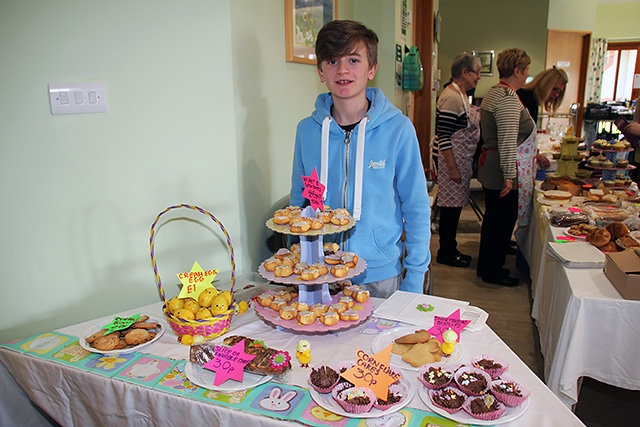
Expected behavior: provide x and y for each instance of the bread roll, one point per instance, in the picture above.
(599, 237)
(610, 247)
(617, 230)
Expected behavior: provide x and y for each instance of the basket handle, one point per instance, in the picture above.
(152, 246)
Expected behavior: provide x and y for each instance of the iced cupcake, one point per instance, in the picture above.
(472, 381)
(356, 400)
(494, 366)
(484, 408)
(509, 392)
(395, 396)
(323, 378)
(448, 399)
(436, 376)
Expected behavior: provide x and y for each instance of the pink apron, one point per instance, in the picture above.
(526, 164)
(464, 142)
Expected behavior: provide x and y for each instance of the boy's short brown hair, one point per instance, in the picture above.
(342, 37)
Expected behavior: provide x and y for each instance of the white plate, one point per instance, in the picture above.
(205, 378)
(386, 338)
(326, 401)
(510, 413)
(580, 237)
(553, 202)
(98, 325)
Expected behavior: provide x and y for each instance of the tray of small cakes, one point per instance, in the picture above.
(479, 392)
(334, 393)
(347, 309)
(329, 221)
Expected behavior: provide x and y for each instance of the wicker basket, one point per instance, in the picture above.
(208, 328)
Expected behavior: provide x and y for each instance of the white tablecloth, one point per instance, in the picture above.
(76, 397)
(586, 328)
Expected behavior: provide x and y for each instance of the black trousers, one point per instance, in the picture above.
(447, 229)
(500, 216)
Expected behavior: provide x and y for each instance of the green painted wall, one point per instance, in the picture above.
(492, 25)
(618, 21)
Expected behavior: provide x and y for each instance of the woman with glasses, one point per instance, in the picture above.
(506, 167)
(545, 90)
(457, 132)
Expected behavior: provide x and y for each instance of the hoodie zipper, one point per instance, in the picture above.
(347, 143)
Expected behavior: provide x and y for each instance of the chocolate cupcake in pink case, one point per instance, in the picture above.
(485, 408)
(450, 399)
(395, 396)
(509, 392)
(340, 387)
(356, 400)
(472, 381)
(494, 366)
(436, 376)
(323, 378)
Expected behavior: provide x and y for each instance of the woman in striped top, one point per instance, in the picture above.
(458, 132)
(508, 133)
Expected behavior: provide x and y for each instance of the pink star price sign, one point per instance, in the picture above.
(229, 363)
(453, 321)
(314, 190)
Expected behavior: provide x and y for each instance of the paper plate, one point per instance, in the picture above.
(327, 402)
(98, 325)
(386, 338)
(205, 378)
(510, 413)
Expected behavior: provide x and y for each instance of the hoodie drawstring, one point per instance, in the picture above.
(357, 195)
(324, 162)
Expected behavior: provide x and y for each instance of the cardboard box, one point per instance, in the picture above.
(623, 269)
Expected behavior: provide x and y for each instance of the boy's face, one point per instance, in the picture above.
(346, 77)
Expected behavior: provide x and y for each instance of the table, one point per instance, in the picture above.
(586, 327)
(77, 397)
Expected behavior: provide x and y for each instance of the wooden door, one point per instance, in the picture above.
(569, 50)
(422, 99)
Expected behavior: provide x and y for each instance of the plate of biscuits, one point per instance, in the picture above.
(414, 347)
(145, 331)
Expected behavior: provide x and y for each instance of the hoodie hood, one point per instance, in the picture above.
(380, 111)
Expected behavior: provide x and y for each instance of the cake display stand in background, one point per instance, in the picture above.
(317, 291)
(609, 174)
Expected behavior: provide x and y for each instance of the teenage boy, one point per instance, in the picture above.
(367, 155)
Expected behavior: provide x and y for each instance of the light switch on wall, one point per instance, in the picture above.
(77, 98)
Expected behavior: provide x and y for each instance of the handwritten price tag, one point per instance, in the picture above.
(120, 323)
(229, 363)
(373, 372)
(453, 321)
(314, 190)
(195, 281)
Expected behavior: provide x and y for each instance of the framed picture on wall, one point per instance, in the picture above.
(302, 20)
(486, 60)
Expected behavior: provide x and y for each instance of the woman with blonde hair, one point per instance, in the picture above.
(546, 90)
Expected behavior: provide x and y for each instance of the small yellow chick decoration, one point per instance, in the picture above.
(303, 353)
(449, 338)
(219, 305)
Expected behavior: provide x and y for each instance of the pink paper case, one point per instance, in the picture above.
(463, 383)
(318, 388)
(485, 416)
(444, 392)
(397, 390)
(497, 387)
(494, 373)
(344, 395)
(424, 370)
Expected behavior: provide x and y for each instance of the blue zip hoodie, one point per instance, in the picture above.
(375, 171)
